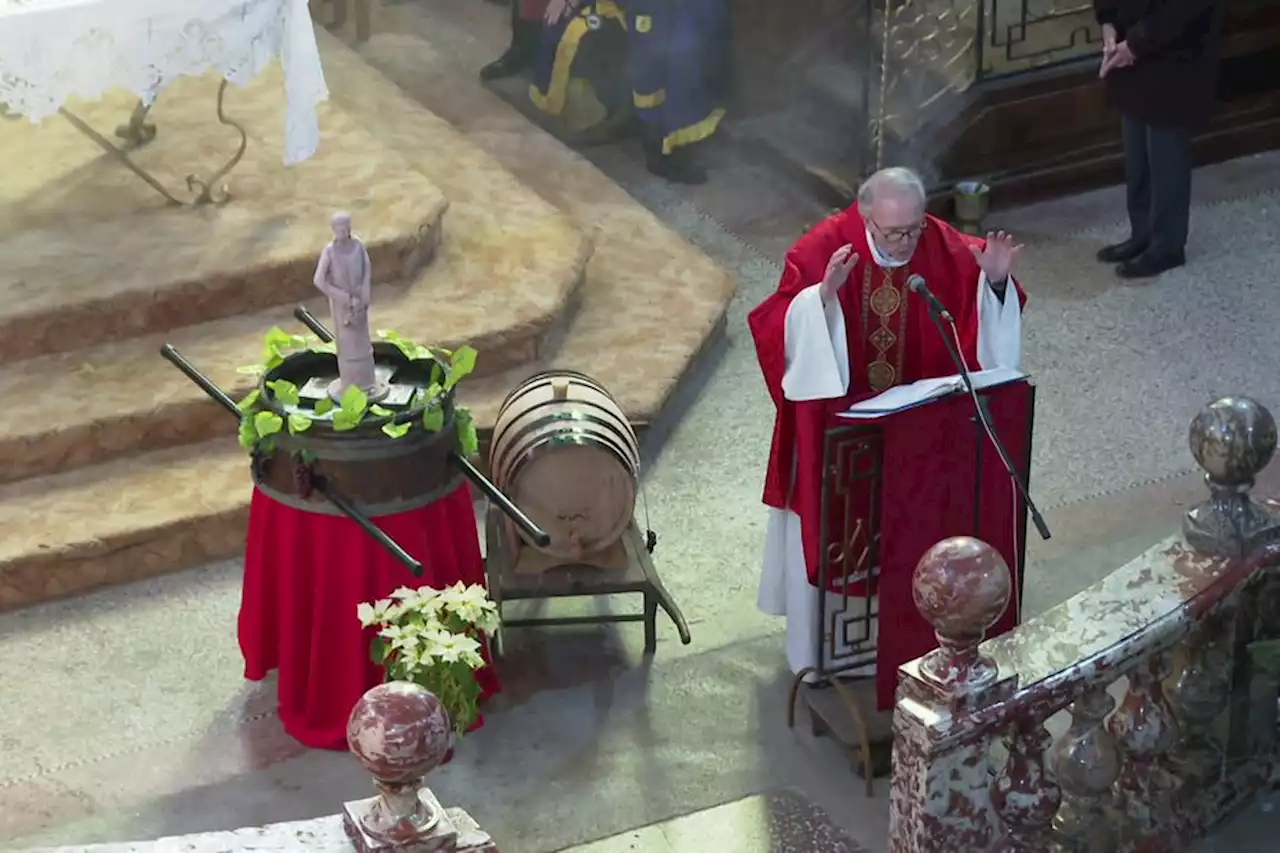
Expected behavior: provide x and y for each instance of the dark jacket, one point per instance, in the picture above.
(1173, 80)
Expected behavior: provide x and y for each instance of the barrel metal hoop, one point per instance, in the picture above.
(323, 507)
(533, 383)
(574, 438)
(370, 450)
(510, 445)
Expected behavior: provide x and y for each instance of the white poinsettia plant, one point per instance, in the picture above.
(433, 637)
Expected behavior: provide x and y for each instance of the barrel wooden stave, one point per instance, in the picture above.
(379, 474)
(571, 463)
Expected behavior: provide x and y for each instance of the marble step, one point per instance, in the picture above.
(123, 520)
(648, 307)
(94, 255)
(187, 505)
(508, 300)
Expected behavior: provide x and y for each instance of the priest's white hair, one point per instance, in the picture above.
(895, 179)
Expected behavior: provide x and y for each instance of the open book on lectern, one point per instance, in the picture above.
(903, 397)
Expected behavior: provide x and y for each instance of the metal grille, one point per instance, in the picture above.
(849, 550)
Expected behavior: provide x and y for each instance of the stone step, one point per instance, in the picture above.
(94, 255)
(104, 402)
(652, 304)
(123, 520)
(183, 506)
(649, 306)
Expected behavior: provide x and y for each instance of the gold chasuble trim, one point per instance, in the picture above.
(885, 307)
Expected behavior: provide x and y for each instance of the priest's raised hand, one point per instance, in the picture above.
(996, 257)
(842, 262)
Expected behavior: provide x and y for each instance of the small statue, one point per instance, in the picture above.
(344, 275)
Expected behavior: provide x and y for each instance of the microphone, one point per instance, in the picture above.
(915, 283)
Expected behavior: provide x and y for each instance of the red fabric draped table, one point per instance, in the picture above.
(304, 575)
(939, 476)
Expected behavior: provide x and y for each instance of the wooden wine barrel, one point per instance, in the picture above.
(563, 451)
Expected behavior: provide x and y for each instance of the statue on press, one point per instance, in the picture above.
(344, 275)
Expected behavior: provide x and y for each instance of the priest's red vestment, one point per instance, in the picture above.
(891, 341)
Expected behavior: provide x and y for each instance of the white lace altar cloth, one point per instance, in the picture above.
(51, 50)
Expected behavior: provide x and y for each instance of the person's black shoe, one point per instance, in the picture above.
(514, 61)
(1121, 252)
(1150, 264)
(519, 56)
(677, 167)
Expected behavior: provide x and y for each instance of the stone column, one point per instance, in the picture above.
(400, 732)
(940, 800)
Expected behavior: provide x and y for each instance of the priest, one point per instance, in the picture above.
(843, 326)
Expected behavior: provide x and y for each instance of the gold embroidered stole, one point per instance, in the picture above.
(884, 324)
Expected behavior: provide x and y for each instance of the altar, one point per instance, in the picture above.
(53, 51)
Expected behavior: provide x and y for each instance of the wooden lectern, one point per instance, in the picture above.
(894, 485)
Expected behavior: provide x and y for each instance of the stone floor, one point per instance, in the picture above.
(125, 716)
(779, 822)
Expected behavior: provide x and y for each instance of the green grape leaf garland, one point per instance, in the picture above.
(259, 424)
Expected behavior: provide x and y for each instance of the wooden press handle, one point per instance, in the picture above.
(560, 388)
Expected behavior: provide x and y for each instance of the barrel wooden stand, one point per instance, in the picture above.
(571, 580)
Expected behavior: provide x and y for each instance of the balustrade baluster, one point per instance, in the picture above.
(1146, 730)
(1087, 764)
(1023, 794)
(1200, 695)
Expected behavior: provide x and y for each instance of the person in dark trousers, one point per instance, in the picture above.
(526, 25)
(1159, 66)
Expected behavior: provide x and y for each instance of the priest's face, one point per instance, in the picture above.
(896, 221)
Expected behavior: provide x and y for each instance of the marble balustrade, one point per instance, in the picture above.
(1171, 722)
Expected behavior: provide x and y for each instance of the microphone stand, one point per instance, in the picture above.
(984, 418)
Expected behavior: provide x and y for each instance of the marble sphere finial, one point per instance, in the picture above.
(961, 586)
(399, 731)
(1232, 440)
